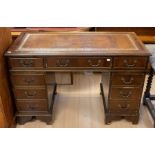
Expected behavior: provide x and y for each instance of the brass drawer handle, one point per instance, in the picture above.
(127, 82)
(26, 63)
(94, 65)
(124, 107)
(130, 65)
(125, 95)
(29, 81)
(30, 94)
(62, 62)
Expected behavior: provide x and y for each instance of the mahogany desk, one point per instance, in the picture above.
(34, 57)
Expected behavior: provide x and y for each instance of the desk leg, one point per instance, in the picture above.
(51, 87)
(107, 118)
(51, 96)
(104, 91)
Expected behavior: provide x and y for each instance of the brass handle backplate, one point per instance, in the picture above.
(26, 63)
(130, 65)
(92, 64)
(29, 81)
(125, 95)
(63, 62)
(124, 107)
(28, 94)
(127, 82)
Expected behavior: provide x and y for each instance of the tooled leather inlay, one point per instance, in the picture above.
(76, 42)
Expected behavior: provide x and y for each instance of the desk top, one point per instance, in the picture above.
(77, 44)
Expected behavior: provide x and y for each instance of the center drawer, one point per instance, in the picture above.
(70, 62)
(30, 93)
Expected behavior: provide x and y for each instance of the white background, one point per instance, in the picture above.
(76, 13)
(79, 13)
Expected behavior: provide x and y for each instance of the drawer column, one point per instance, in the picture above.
(121, 89)
(121, 94)
(33, 88)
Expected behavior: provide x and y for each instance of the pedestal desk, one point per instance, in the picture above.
(35, 57)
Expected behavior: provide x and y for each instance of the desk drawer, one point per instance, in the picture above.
(30, 93)
(127, 79)
(130, 62)
(32, 105)
(125, 93)
(29, 79)
(26, 63)
(119, 106)
(69, 62)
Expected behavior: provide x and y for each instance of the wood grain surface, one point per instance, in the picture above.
(6, 101)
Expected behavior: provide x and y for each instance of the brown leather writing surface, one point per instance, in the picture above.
(85, 43)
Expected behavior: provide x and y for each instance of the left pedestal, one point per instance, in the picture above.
(33, 89)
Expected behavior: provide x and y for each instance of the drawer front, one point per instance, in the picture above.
(30, 93)
(32, 105)
(124, 106)
(26, 63)
(32, 79)
(127, 79)
(88, 62)
(130, 62)
(125, 93)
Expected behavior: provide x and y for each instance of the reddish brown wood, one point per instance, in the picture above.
(125, 93)
(130, 62)
(27, 79)
(30, 93)
(35, 63)
(2, 116)
(32, 105)
(123, 106)
(127, 79)
(6, 107)
(74, 62)
(121, 55)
